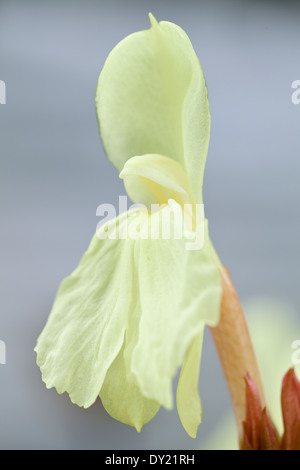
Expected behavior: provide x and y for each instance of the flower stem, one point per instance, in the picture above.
(235, 350)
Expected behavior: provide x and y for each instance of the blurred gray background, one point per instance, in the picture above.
(54, 174)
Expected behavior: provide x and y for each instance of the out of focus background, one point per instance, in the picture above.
(54, 174)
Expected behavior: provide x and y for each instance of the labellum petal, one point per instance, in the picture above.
(126, 312)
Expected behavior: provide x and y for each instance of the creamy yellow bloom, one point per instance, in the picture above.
(134, 310)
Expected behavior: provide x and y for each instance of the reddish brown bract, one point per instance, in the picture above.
(259, 431)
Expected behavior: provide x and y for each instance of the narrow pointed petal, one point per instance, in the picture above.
(187, 396)
(152, 98)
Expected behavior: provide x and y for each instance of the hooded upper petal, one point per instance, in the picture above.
(152, 98)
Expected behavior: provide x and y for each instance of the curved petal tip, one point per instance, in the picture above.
(153, 20)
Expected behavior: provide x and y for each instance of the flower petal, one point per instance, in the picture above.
(86, 327)
(187, 396)
(154, 179)
(137, 292)
(174, 306)
(151, 97)
(123, 400)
